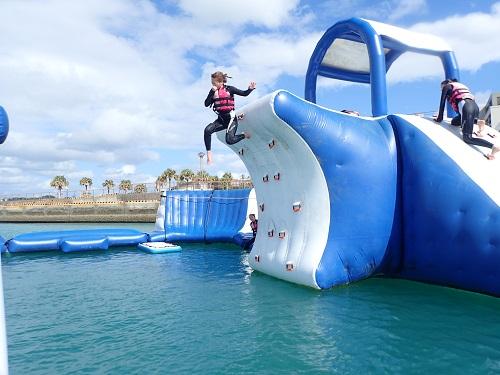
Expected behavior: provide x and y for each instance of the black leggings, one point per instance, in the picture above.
(470, 112)
(224, 121)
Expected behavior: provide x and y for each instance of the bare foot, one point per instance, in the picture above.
(209, 157)
(494, 150)
(240, 116)
(247, 134)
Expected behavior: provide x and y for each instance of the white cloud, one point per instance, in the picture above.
(258, 12)
(101, 85)
(407, 7)
(266, 57)
(473, 36)
(474, 46)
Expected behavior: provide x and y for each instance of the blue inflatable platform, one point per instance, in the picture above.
(205, 216)
(74, 240)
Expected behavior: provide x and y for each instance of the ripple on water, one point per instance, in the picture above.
(204, 311)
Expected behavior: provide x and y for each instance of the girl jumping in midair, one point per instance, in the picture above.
(221, 98)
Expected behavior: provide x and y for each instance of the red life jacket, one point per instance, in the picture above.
(459, 92)
(223, 101)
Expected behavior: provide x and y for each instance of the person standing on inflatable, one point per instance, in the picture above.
(221, 99)
(462, 102)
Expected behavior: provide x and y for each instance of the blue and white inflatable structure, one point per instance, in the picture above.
(339, 197)
(205, 216)
(342, 198)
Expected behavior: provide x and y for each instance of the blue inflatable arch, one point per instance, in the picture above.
(360, 50)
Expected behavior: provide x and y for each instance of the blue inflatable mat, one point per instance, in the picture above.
(75, 240)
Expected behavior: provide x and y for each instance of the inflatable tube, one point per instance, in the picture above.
(156, 236)
(4, 125)
(159, 247)
(243, 239)
(21, 245)
(69, 246)
(75, 240)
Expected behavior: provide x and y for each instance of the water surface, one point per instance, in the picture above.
(204, 311)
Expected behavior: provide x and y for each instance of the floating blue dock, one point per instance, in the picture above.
(74, 240)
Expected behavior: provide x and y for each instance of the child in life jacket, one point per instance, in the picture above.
(221, 98)
(462, 102)
(254, 224)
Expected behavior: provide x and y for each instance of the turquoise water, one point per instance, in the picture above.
(204, 311)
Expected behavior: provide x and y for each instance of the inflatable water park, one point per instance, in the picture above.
(339, 197)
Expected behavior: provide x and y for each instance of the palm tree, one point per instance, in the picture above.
(109, 184)
(59, 182)
(169, 175)
(227, 178)
(125, 185)
(186, 175)
(140, 188)
(86, 181)
(202, 175)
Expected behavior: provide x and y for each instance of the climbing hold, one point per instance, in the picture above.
(257, 258)
(270, 233)
(265, 178)
(281, 234)
(277, 177)
(272, 144)
(240, 152)
(289, 266)
(261, 206)
(296, 206)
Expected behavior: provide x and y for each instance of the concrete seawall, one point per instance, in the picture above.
(109, 209)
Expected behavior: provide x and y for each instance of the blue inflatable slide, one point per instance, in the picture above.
(344, 197)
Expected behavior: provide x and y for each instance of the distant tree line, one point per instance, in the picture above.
(187, 175)
(165, 179)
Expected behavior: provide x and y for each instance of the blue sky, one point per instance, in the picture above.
(115, 89)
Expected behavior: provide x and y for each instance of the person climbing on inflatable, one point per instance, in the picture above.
(254, 224)
(221, 99)
(462, 102)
